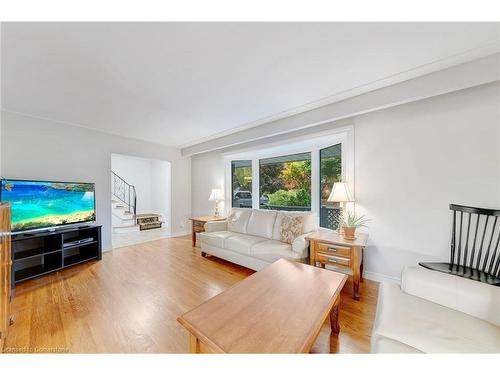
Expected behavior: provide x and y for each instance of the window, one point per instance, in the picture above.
(285, 182)
(330, 160)
(241, 183)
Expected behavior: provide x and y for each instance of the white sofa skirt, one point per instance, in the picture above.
(241, 259)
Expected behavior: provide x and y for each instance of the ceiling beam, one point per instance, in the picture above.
(470, 74)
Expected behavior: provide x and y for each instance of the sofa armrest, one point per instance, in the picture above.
(215, 226)
(468, 296)
(300, 244)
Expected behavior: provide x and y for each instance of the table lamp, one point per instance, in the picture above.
(216, 195)
(340, 193)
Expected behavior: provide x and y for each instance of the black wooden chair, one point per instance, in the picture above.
(475, 239)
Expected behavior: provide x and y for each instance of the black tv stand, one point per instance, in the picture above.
(38, 253)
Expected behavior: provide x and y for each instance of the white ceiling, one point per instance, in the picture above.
(181, 83)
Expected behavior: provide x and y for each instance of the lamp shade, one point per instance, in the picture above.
(340, 193)
(215, 195)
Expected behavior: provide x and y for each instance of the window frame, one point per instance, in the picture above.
(312, 143)
(319, 178)
(232, 184)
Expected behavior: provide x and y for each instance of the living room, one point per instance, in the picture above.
(180, 187)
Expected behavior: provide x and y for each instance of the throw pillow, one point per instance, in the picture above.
(291, 228)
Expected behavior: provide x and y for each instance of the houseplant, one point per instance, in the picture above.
(349, 222)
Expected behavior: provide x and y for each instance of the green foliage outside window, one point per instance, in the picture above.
(287, 184)
(291, 198)
(242, 178)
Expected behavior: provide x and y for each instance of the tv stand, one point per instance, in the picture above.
(39, 253)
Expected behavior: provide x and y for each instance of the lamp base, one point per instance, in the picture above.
(216, 213)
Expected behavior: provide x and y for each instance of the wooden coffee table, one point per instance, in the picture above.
(279, 309)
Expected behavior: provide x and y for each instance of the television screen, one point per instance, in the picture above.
(41, 204)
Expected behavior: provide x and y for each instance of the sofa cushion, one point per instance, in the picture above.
(242, 243)
(291, 228)
(216, 239)
(429, 327)
(472, 297)
(271, 251)
(308, 226)
(238, 219)
(261, 223)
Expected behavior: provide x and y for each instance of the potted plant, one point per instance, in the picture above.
(349, 222)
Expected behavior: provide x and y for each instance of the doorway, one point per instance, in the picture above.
(140, 199)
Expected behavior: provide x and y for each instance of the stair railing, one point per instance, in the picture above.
(124, 192)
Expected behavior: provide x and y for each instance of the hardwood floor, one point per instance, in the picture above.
(129, 302)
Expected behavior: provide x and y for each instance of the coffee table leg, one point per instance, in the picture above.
(194, 344)
(334, 316)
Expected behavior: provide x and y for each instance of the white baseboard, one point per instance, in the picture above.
(180, 234)
(381, 278)
(374, 276)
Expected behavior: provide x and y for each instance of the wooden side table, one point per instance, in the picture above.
(328, 247)
(198, 225)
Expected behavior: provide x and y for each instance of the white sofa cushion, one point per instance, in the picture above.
(216, 239)
(471, 297)
(429, 327)
(242, 243)
(271, 251)
(237, 220)
(261, 223)
(308, 226)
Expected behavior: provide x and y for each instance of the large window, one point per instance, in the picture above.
(241, 185)
(330, 160)
(285, 182)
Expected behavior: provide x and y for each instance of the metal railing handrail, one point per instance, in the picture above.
(131, 199)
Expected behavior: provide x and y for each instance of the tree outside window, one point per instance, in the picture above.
(285, 182)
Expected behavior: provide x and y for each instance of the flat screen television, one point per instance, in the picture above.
(45, 204)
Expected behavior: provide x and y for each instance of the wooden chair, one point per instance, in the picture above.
(475, 239)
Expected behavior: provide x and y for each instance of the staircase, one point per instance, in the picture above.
(123, 220)
(124, 209)
(123, 205)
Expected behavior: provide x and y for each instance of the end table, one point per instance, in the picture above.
(328, 247)
(198, 224)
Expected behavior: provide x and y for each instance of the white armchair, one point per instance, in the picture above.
(434, 312)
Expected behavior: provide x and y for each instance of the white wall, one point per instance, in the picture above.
(161, 195)
(207, 173)
(42, 149)
(411, 161)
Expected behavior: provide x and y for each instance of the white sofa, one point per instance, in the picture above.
(251, 237)
(434, 312)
